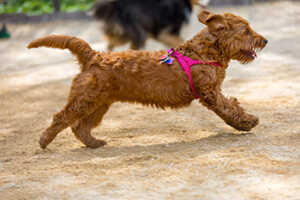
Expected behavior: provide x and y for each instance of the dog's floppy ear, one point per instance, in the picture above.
(203, 16)
(214, 22)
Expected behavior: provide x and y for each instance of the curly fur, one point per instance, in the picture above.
(137, 77)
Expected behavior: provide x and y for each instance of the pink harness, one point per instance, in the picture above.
(186, 63)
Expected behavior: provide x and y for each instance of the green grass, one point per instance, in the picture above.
(37, 7)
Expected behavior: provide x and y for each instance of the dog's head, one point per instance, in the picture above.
(234, 36)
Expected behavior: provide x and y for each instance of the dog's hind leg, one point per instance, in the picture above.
(83, 101)
(82, 128)
(74, 110)
(137, 36)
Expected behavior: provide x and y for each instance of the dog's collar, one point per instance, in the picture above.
(186, 63)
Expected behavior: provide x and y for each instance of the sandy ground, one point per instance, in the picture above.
(153, 154)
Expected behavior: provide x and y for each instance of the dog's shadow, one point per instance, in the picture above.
(205, 145)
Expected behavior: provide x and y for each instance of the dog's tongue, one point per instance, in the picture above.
(254, 54)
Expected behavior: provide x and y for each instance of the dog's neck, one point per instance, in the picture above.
(204, 46)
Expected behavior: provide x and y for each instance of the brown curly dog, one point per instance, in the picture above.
(138, 77)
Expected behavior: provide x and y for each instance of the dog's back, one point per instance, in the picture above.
(134, 19)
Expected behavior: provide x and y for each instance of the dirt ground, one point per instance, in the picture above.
(153, 154)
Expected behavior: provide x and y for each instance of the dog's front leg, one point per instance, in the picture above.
(228, 109)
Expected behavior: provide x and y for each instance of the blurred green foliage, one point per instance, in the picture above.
(36, 7)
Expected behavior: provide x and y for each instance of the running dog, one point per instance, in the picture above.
(174, 78)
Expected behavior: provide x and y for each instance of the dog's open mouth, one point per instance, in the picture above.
(250, 53)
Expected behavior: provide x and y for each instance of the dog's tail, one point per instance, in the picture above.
(78, 47)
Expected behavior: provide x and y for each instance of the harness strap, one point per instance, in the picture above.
(186, 63)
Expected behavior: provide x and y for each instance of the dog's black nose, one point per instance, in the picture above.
(266, 41)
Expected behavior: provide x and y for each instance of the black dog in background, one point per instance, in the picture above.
(135, 20)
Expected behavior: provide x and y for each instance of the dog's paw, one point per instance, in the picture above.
(246, 123)
(44, 141)
(96, 144)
